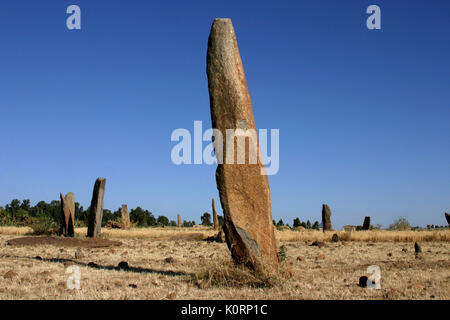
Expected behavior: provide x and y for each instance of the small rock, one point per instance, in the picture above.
(171, 296)
(79, 254)
(10, 274)
(363, 281)
(319, 244)
(417, 248)
(169, 260)
(335, 238)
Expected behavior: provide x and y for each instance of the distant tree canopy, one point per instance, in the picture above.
(206, 219)
(220, 219)
(22, 213)
(306, 225)
(400, 224)
(188, 224)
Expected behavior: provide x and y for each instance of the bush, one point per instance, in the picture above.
(400, 224)
(44, 226)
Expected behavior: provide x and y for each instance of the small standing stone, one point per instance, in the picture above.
(417, 248)
(79, 254)
(366, 224)
(96, 209)
(179, 221)
(335, 238)
(67, 214)
(125, 216)
(215, 219)
(326, 217)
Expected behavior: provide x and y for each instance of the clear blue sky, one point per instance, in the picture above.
(363, 115)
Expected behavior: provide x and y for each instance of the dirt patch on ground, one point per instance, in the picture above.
(182, 236)
(63, 242)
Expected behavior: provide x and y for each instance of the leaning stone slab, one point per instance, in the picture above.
(67, 214)
(366, 224)
(96, 209)
(243, 188)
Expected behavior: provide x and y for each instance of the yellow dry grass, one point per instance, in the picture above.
(181, 269)
(15, 230)
(365, 236)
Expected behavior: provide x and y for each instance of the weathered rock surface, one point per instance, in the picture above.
(125, 216)
(215, 219)
(417, 248)
(96, 209)
(243, 188)
(326, 217)
(366, 224)
(67, 228)
(335, 238)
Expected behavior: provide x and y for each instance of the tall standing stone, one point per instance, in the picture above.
(125, 216)
(243, 188)
(179, 221)
(447, 217)
(67, 214)
(215, 219)
(326, 217)
(96, 209)
(366, 224)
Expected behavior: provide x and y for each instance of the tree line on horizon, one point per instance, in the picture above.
(21, 213)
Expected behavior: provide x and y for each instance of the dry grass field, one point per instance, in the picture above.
(166, 263)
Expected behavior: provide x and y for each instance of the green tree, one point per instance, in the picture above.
(25, 205)
(206, 219)
(162, 221)
(308, 224)
(188, 224)
(296, 223)
(315, 225)
(220, 219)
(280, 223)
(400, 224)
(13, 207)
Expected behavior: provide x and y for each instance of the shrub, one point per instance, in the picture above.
(400, 224)
(44, 226)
